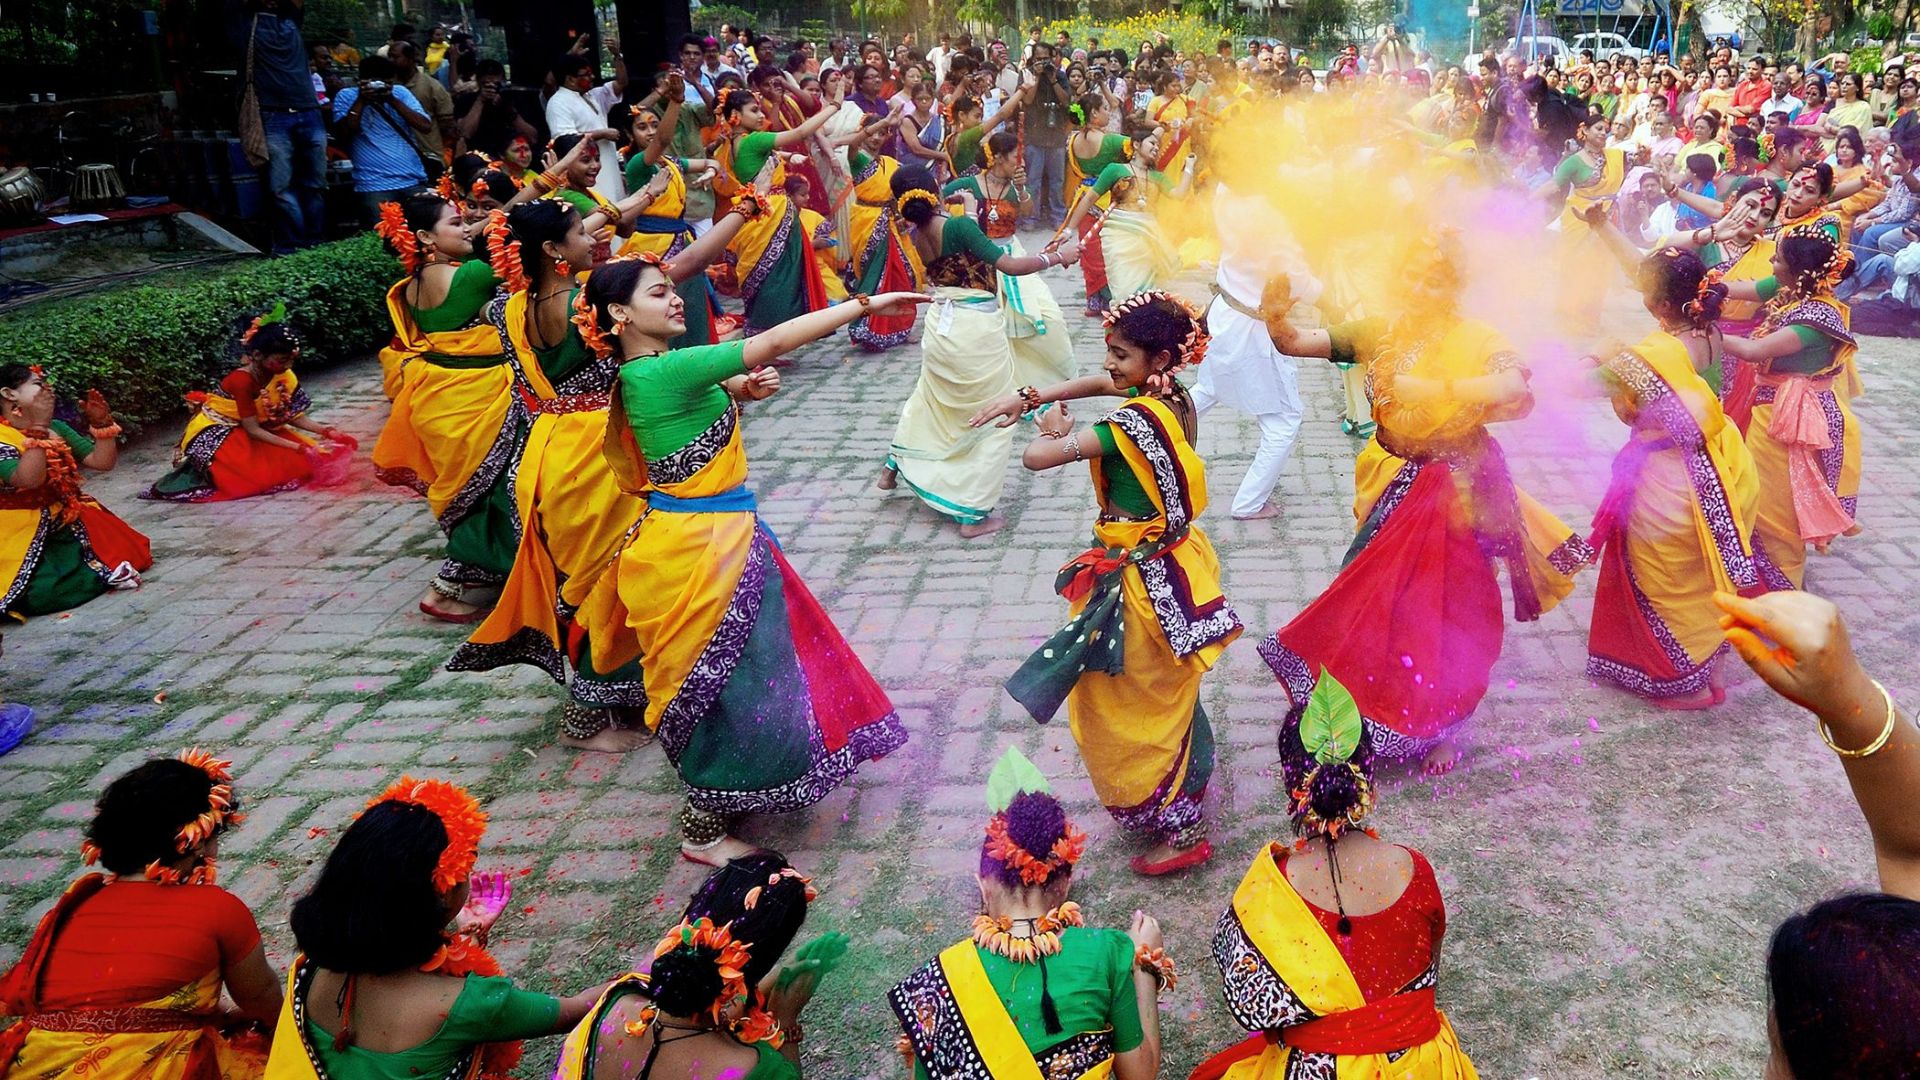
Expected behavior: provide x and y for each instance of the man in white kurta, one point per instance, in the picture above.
(579, 107)
(1243, 370)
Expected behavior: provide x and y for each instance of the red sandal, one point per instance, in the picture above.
(1192, 857)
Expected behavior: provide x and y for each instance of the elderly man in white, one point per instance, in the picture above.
(1243, 370)
(580, 107)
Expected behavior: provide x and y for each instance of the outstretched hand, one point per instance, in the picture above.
(487, 899)
(96, 410)
(897, 303)
(1810, 660)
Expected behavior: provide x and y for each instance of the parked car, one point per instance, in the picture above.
(1910, 42)
(1606, 46)
(1535, 46)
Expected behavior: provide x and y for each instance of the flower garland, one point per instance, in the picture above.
(750, 205)
(392, 228)
(996, 935)
(222, 813)
(459, 814)
(916, 195)
(1192, 350)
(1033, 870)
(62, 486)
(503, 251)
(730, 960)
(587, 321)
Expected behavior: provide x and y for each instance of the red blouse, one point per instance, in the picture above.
(1392, 947)
(241, 387)
(136, 941)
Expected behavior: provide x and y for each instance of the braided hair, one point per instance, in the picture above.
(1815, 261)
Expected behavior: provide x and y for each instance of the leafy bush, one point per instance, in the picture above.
(146, 345)
(1880, 25)
(709, 18)
(1866, 61)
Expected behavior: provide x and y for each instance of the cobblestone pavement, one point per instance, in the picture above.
(1612, 872)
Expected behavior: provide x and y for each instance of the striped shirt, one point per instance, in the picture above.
(385, 156)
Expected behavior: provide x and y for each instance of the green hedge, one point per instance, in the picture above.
(145, 346)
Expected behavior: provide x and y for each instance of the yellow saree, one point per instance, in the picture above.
(1675, 527)
(410, 343)
(1151, 589)
(573, 517)
(1805, 443)
(1285, 977)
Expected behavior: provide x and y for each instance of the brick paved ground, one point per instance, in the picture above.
(1612, 872)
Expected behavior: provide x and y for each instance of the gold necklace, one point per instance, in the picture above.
(996, 935)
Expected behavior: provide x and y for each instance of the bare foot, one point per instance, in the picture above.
(988, 525)
(889, 478)
(446, 609)
(1824, 547)
(1267, 510)
(1441, 759)
(613, 740)
(1703, 698)
(728, 849)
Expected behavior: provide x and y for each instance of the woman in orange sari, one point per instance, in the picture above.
(122, 979)
(394, 978)
(59, 548)
(251, 436)
(1412, 623)
(1330, 952)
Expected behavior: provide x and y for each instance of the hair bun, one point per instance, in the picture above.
(685, 981)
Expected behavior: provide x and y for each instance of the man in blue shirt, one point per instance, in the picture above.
(377, 121)
(290, 113)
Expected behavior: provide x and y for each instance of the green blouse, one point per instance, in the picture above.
(80, 444)
(1090, 981)
(487, 1010)
(673, 397)
(1125, 493)
(1121, 173)
(1816, 348)
(1113, 148)
(966, 148)
(638, 173)
(472, 289)
(962, 234)
(561, 361)
(750, 155)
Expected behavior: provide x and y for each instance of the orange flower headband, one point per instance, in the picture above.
(219, 816)
(1193, 347)
(504, 252)
(1835, 267)
(1033, 871)
(392, 228)
(459, 814)
(587, 321)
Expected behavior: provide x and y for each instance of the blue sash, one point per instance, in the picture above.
(737, 500)
(659, 223)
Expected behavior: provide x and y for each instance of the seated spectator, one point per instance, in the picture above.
(395, 979)
(123, 977)
(1838, 971)
(379, 123)
(486, 120)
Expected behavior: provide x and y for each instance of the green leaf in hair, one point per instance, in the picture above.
(1330, 726)
(1012, 776)
(278, 314)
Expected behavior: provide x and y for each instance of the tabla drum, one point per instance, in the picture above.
(20, 195)
(97, 187)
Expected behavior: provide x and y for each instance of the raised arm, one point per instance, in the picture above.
(1811, 663)
(1275, 301)
(764, 347)
(1005, 112)
(804, 130)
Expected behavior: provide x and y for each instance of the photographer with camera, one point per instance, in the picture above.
(486, 120)
(1047, 125)
(376, 122)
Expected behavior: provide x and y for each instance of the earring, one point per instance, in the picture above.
(619, 324)
(562, 267)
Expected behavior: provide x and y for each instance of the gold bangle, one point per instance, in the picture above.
(1879, 743)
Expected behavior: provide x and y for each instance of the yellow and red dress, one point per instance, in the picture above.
(1322, 1003)
(217, 459)
(122, 981)
(60, 548)
(883, 258)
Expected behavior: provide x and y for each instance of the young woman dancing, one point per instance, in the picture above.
(756, 698)
(1412, 622)
(966, 362)
(1147, 615)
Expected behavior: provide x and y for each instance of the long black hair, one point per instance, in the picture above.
(374, 909)
(1842, 974)
(541, 221)
(614, 283)
(1673, 276)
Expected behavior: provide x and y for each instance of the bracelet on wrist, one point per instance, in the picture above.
(1879, 742)
(1157, 963)
(1029, 397)
(109, 430)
